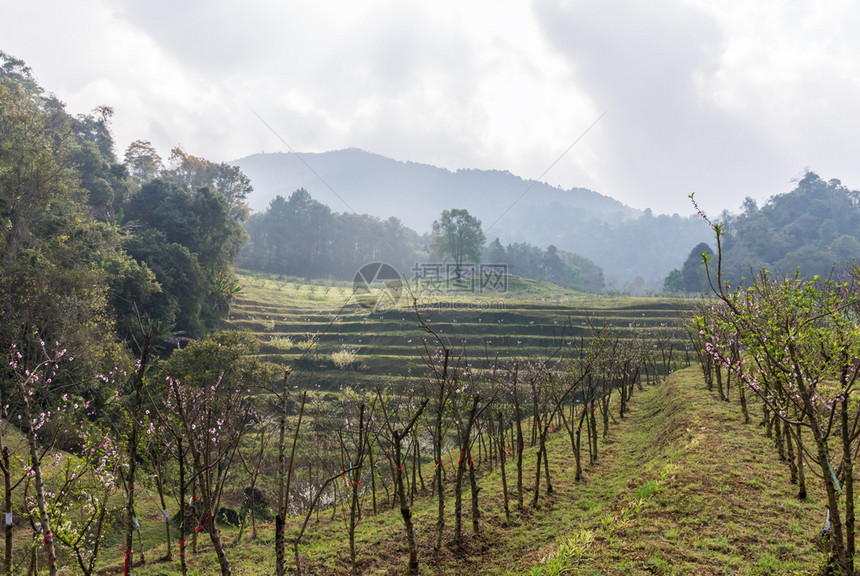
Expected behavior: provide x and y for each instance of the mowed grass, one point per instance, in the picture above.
(682, 486)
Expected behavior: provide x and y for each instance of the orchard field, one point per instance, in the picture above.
(678, 485)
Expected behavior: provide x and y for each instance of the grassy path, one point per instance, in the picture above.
(705, 494)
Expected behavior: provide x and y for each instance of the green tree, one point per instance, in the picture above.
(693, 272)
(190, 241)
(674, 282)
(810, 227)
(54, 254)
(457, 235)
(143, 160)
(845, 249)
(496, 252)
(229, 355)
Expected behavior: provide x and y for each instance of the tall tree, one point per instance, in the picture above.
(457, 235)
(693, 272)
(143, 160)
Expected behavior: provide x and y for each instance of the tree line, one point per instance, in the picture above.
(105, 265)
(92, 245)
(299, 236)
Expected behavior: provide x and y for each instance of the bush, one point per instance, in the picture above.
(345, 358)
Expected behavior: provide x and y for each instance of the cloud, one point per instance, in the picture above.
(725, 99)
(644, 62)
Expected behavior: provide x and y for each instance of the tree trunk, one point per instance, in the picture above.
(848, 483)
(182, 522)
(218, 545)
(356, 483)
(502, 455)
(36, 467)
(132, 455)
(777, 429)
(437, 477)
(719, 374)
(405, 511)
(465, 434)
(285, 474)
(789, 451)
(159, 482)
(801, 473)
(476, 512)
(536, 494)
(7, 507)
(546, 461)
(518, 420)
(372, 475)
(743, 397)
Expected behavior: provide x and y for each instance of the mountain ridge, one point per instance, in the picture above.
(624, 241)
(324, 175)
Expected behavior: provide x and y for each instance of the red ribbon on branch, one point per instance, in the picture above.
(128, 555)
(202, 526)
(46, 541)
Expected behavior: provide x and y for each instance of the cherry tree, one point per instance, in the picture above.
(800, 355)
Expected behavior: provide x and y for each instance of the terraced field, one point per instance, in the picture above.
(324, 329)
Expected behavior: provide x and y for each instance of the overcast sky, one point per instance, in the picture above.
(726, 99)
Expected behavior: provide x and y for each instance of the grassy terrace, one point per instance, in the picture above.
(292, 318)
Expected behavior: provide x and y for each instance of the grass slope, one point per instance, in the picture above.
(682, 487)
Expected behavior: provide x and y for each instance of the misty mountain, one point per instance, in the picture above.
(624, 241)
(365, 183)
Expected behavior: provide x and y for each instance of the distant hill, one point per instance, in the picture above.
(513, 209)
(353, 180)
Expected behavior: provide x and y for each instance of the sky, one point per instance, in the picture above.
(645, 102)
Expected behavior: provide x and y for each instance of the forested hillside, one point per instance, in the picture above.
(93, 247)
(814, 228)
